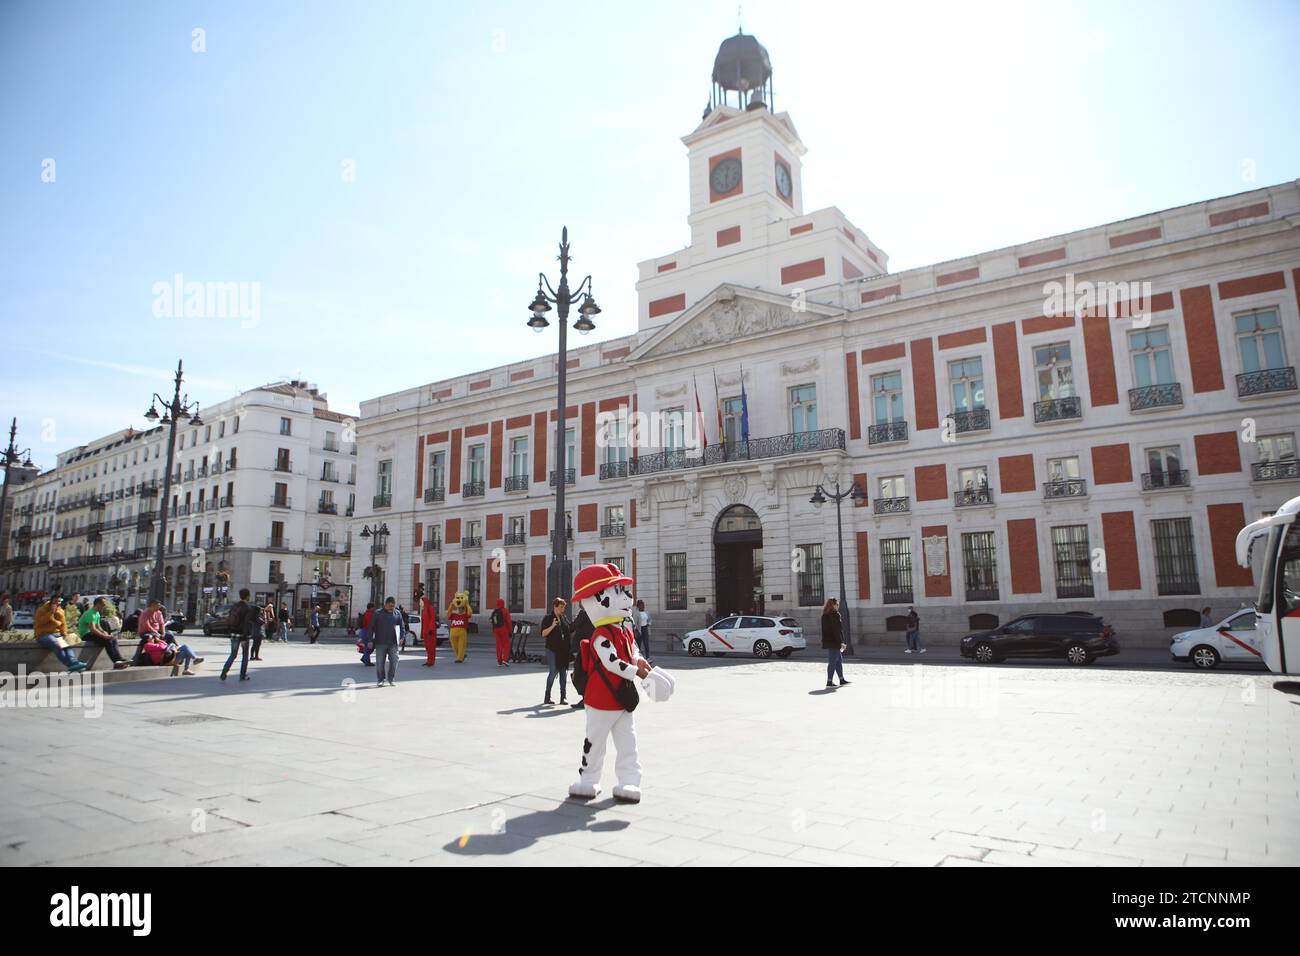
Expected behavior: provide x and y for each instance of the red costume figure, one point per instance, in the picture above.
(501, 625)
(429, 631)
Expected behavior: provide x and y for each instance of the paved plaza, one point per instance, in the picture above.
(753, 763)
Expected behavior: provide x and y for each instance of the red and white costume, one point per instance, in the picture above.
(602, 591)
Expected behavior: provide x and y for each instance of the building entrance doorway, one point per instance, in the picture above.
(738, 561)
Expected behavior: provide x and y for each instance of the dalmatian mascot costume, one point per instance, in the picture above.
(604, 592)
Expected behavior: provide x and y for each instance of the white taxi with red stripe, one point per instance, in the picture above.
(1233, 639)
(755, 634)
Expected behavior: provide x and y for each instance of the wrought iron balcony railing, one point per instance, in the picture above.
(473, 489)
(1266, 380)
(277, 544)
(1074, 590)
(284, 465)
(1276, 470)
(1157, 480)
(514, 538)
(886, 432)
(329, 476)
(892, 506)
(327, 508)
(436, 493)
(1058, 409)
(616, 530)
(280, 501)
(971, 420)
(613, 469)
(228, 501)
(383, 501)
(972, 497)
(570, 476)
(516, 483)
(1155, 396)
(1066, 488)
(777, 446)
(468, 542)
(433, 544)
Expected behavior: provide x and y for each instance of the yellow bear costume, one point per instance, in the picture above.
(458, 616)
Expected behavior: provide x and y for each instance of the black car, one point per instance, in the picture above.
(218, 621)
(1078, 638)
(177, 622)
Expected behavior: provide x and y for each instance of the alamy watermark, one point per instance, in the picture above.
(1079, 298)
(181, 299)
(40, 690)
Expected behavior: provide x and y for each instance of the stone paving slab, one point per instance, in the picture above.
(751, 764)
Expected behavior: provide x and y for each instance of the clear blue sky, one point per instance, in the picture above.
(478, 130)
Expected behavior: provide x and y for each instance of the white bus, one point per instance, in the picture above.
(1278, 607)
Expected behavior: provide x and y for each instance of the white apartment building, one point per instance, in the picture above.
(260, 496)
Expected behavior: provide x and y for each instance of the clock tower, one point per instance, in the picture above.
(747, 221)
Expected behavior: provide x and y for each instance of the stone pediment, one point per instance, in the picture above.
(729, 314)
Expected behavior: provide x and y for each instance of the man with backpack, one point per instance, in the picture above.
(244, 622)
(501, 624)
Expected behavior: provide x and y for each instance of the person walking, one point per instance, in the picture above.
(429, 631)
(244, 624)
(367, 618)
(643, 628)
(314, 624)
(51, 630)
(1206, 620)
(581, 630)
(913, 632)
(286, 623)
(833, 642)
(6, 614)
(501, 624)
(90, 627)
(385, 631)
(556, 634)
(265, 629)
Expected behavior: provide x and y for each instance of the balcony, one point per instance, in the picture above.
(517, 483)
(94, 532)
(216, 467)
(467, 542)
(212, 504)
(755, 449)
(349, 512)
(181, 510)
(378, 545)
(971, 420)
(897, 594)
(615, 530)
(148, 489)
(230, 464)
(473, 489)
(189, 475)
(886, 432)
(201, 472)
(892, 506)
(228, 501)
(327, 508)
(329, 476)
(1155, 396)
(432, 545)
(570, 476)
(436, 493)
(1276, 470)
(281, 501)
(383, 501)
(1265, 381)
(1065, 488)
(277, 544)
(284, 464)
(972, 497)
(331, 445)
(613, 469)
(514, 538)
(97, 503)
(1160, 480)
(1058, 410)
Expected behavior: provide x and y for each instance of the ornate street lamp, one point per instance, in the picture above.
(819, 498)
(11, 457)
(374, 572)
(559, 579)
(180, 407)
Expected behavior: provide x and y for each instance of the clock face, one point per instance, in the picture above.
(725, 176)
(783, 184)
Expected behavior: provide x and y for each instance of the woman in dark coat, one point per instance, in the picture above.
(833, 641)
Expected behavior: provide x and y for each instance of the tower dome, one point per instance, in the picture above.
(742, 67)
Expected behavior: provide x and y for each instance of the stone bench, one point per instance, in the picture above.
(37, 658)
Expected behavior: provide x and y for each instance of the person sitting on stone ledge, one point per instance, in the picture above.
(158, 652)
(51, 630)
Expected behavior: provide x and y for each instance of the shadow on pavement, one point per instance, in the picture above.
(517, 833)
